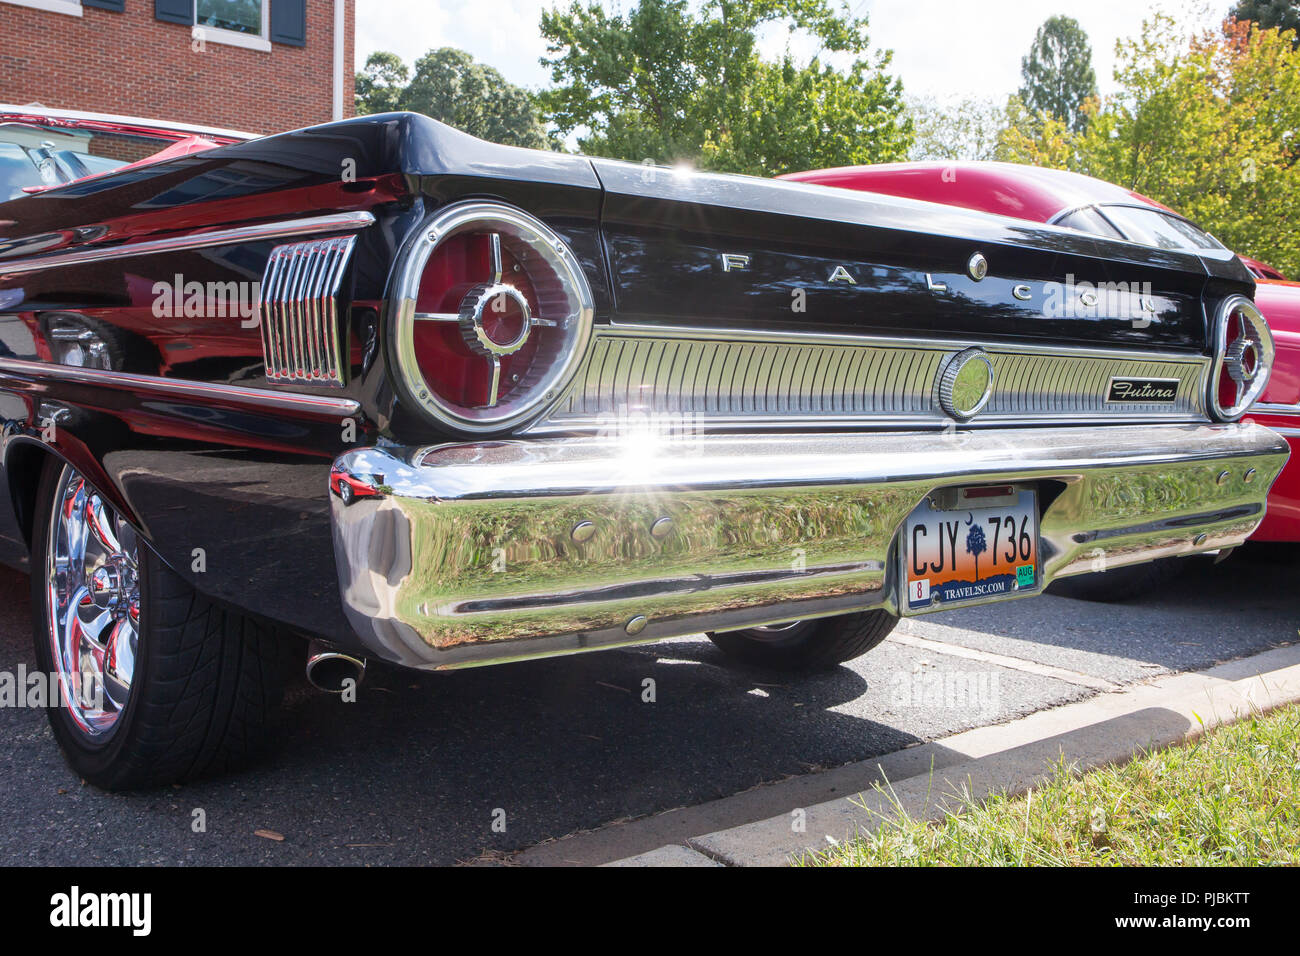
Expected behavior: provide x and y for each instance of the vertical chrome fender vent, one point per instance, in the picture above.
(304, 338)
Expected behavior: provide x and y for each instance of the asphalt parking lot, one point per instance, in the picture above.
(420, 768)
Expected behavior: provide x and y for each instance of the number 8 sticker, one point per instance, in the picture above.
(921, 590)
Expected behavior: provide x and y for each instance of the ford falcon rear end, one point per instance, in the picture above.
(493, 404)
(760, 402)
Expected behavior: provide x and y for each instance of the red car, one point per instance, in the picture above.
(1279, 408)
(350, 487)
(1090, 205)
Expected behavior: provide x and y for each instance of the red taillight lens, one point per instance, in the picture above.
(491, 318)
(455, 371)
(1227, 386)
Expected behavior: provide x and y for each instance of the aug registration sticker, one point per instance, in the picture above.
(974, 549)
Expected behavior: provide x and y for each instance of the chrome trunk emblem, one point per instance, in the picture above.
(1154, 391)
(965, 384)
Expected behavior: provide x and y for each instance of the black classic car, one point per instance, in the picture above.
(414, 397)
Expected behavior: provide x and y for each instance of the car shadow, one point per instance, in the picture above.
(440, 768)
(436, 768)
(1207, 614)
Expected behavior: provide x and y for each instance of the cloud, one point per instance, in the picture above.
(947, 49)
(500, 33)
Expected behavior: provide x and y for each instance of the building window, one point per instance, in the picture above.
(248, 23)
(238, 16)
(70, 7)
(234, 22)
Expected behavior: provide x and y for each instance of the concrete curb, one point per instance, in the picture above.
(673, 855)
(1012, 757)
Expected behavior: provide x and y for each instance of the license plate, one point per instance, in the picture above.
(969, 545)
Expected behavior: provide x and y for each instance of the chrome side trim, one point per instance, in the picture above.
(303, 335)
(259, 232)
(73, 116)
(256, 398)
(624, 328)
(715, 378)
(471, 554)
(1274, 408)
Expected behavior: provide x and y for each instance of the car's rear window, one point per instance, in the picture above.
(1153, 228)
(32, 154)
(1261, 271)
(16, 171)
(1090, 221)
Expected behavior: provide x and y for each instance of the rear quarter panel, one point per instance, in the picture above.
(1280, 303)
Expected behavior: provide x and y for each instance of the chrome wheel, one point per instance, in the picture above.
(777, 632)
(93, 592)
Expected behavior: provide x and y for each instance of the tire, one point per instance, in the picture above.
(807, 645)
(346, 493)
(187, 688)
(1119, 584)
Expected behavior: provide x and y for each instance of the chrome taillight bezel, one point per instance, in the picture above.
(404, 290)
(1254, 330)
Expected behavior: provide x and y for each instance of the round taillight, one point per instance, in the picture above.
(491, 314)
(1243, 358)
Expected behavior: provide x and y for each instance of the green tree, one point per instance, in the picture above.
(1208, 126)
(669, 82)
(449, 85)
(967, 129)
(379, 86)
(1281, 15)
(1057, 72)
(1205, 124)
(1036, 139)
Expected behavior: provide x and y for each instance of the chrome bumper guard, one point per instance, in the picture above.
(466, 554)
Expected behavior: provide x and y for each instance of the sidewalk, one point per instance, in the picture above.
(1106, 728)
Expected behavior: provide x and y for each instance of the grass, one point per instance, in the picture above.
(1229, 798)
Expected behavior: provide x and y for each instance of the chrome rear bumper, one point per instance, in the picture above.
(457, 555)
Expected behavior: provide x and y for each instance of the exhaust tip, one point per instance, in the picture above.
(330, 670)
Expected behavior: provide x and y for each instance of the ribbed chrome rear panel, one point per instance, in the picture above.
(303, 337)
(738, 378)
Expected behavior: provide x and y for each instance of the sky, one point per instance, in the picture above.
(945, 49)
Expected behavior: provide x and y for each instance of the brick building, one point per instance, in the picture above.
(257, 65)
